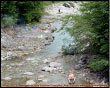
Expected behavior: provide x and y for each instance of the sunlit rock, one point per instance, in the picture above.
(30, 82)
(29, 73)
(7, 78)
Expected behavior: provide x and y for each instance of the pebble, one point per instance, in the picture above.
(30, 82)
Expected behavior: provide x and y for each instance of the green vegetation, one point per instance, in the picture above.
(13, 12)
(69, 50)
(71, 4)
(91, 32)
(66, 5)
(99, 63)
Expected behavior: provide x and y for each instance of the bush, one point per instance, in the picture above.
(8, 21)
(30, 11)
(66, 5)
(71, 4)
(69, 50)
(90, 31)
(98, 64)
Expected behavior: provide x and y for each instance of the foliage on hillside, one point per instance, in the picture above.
(91, 32)
(13, 12)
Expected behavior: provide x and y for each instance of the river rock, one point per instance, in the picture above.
(103, 82)
(91, 81)
(30, 82)
(21, 47)
(54, 64)
(59, 68)
(30, 59)
(62, 72)
(54, 69)
(41, 76)
(7, 78)
(77, 67)
(45, 80)
(39, 79)
(46, 38)
(80, 62)
(46, 61)
(9, 53)
(28, 73)
(48, 69)
(44, 68)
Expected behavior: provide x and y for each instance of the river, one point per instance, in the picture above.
(19, 71)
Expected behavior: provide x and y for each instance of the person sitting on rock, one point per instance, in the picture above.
(71, 77)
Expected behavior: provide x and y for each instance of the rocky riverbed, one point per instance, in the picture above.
(34, 57)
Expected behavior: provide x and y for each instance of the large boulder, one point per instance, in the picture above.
(30, 82)
(46, 61)
(54, 64)
(28, 73)
(77, 67)
(47, 69)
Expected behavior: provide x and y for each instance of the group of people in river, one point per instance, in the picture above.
(29, 28)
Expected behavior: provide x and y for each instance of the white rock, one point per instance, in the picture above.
(45, 80)
(30, 82)
(48, 69)
(45, 68)
(92, 81)
(59, 68)
(103, 82)
(54, 69)
(28, 73)
(63, 72)
(9, 53)
(46, 31)
(83, 74)
(55, 64)
(46, 61)
(41, 76)
(7, 78)
(39, 79)
(30, 59)
(2, 58)
(41, 36)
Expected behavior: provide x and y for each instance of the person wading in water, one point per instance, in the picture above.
(59, 10)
